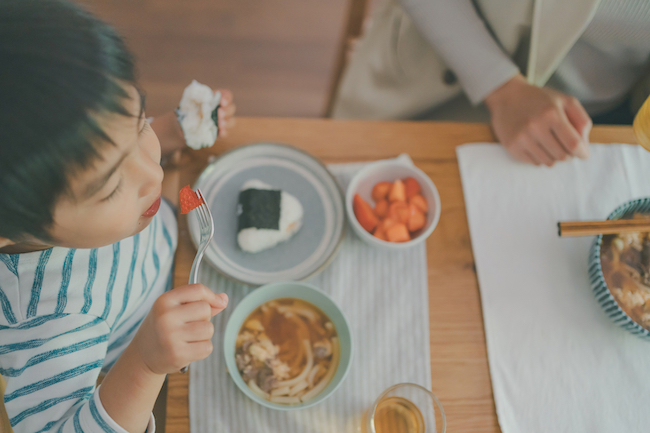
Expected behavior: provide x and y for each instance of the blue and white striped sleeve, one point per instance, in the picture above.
(51, 364)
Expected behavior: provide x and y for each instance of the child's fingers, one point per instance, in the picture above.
(198, 350)
(225, 124)
(226, 97)
(194, 293)
(193, 312)
(198, 310)
(198, 331)
(227, 112)
(224, 299)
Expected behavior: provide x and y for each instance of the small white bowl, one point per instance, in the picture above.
(389, 171)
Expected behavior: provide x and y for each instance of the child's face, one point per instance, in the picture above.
(119, 194)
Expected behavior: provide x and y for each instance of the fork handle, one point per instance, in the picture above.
(194, 271)
(194, 278)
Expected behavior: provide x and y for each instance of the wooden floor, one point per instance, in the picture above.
(276, 55)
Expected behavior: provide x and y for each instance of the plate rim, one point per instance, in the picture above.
(206, 172)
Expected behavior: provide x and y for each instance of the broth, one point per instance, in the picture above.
(287, 351)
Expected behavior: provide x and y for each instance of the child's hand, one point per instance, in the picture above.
(226, 112)
(177, 330)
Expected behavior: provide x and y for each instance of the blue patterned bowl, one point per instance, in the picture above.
(597, 279)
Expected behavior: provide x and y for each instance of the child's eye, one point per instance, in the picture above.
(115, 191)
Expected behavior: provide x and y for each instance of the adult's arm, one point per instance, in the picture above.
(457, 33)
(535, 125)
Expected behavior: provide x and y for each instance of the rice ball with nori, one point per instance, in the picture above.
(265, 216)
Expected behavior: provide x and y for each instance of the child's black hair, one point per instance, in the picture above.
(59, 69)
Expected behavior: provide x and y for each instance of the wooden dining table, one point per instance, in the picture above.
(459, 365)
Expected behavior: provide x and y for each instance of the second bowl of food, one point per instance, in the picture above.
(619, 271)
(392, 204)
(287, 346)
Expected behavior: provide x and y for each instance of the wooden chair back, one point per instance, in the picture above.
(357, 11)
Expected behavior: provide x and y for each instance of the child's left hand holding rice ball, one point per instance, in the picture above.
(202, 116)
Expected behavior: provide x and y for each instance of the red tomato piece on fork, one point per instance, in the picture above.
(189, 199)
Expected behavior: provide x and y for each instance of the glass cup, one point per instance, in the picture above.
(406, 408)
(641, 125)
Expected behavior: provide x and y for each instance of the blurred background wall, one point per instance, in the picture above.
(277, 56)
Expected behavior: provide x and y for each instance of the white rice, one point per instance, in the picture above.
(254, 240)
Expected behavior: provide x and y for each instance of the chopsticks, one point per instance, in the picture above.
(607, 227)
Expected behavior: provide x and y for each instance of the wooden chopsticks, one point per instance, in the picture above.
(607, 227)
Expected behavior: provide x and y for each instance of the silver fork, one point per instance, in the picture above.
(206, 227)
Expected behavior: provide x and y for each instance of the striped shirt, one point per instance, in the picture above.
(67, 314)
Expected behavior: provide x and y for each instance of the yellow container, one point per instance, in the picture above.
(641, 125)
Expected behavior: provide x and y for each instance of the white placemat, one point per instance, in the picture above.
(558, 364)
(385, 299)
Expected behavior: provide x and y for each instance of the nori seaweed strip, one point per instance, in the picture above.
(260, 208)
(215, 116)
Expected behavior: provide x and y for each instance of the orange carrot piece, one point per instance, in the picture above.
(398, 233)
(397, 192)
(364, 213)
(381, 190)
(417, 220)
(399, 211)
(412, 187)
(380, 233)
(381, 208)
(420, 202)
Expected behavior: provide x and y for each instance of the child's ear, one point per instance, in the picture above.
(4, 242)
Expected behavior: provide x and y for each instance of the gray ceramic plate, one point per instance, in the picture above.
(291, 170)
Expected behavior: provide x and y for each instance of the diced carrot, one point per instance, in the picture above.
(399, 211)
(381, 208)
(364, 213)
(380, 190)
(387, 223)
(417, 220)
(380, 233)
(398, 233)
(397, 192)
(420, 202)
(412, 187)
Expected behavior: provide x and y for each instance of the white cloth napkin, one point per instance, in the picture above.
(558, 364)
(384, 297)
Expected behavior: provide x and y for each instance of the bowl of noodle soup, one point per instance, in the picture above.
(619, 272)
(287, 346)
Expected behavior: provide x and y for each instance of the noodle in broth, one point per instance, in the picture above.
(287, 351)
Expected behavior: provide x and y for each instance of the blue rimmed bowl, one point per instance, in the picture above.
(599, 286)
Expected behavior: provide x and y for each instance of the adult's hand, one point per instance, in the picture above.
(538, 125)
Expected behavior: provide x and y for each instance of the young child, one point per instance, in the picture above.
(86, 244)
